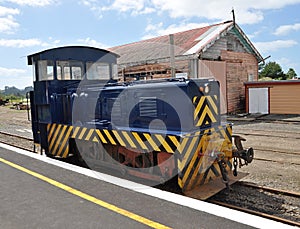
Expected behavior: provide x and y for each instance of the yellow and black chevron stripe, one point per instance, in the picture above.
(59, 135)
(206, 110)
(194, 164)
(58, 139)
(191, 150)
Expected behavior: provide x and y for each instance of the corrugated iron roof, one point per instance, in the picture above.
(188, 42)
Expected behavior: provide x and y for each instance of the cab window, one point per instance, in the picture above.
(34, 73)
(69, 70)
(97, 71)
(45, 70)
(115, 72)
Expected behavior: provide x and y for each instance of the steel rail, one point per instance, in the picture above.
(265, 215)
(16, 136)
(276, 161)
(266, 135)
(269, 189)
(19, 147)
(276, 151)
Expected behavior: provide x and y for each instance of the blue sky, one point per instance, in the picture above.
(26, 27)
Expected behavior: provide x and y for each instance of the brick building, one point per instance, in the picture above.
(221, 51)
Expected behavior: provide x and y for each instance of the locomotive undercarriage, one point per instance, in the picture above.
(152, 166)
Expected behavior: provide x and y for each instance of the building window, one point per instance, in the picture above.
(250, 77)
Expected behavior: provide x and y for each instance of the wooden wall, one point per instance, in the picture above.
(284, 98)
(240, 68)
(216, 70)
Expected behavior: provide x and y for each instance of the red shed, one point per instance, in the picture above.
(275, 97)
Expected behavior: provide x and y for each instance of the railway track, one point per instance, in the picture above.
(271, 190)
(220, 199)
(18, 141)
(265, 120)
(287, 135)
(268, 216)
(276, 161)
(284, 160)
(277, 152)
(280, 121)
(15, 136)
(253, 208)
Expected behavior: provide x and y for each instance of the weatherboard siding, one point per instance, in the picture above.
(284, 99)
(228, 42)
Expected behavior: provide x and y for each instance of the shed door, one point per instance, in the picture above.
(259, 100)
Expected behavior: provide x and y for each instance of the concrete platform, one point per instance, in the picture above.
(38, 192)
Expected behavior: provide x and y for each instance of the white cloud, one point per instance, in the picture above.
(21, 43)
(34, 3)
(287, 63)
(266, 47)
(247, 12)
(154, 30)
(147, 10)
(8, 11)
(52, 41)
(94, 5)
(286, 29)
(90, 42)
(8, 24)
(7, 72)
(136, 7)
(7, 20)
(270, 4)
(19, 78)
(127, 5)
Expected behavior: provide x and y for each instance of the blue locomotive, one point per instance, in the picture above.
(152, 129)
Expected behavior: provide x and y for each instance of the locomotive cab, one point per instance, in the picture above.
(57, 74)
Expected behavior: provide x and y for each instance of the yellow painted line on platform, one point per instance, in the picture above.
(87, 197)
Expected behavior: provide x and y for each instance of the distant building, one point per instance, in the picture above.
(273, 97)
(221, 51)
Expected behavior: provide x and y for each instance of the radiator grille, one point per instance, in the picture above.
(148, 107)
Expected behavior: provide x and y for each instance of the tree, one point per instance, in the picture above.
(272, 70)
(291, 73)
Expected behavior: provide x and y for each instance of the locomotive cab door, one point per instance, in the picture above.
(34, 120)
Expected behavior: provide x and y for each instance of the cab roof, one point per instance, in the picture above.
(79, 53)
